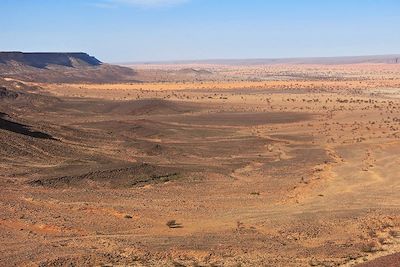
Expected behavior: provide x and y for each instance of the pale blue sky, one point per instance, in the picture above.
(152, 30)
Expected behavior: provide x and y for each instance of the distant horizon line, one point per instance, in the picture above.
(209, 60)
(371, 56)
(270, 59)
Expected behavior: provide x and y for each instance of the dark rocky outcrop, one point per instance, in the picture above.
(7, 94)
(42, 60)
(60, 68)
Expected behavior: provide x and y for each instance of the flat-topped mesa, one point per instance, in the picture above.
(60, 68)
(42, 60)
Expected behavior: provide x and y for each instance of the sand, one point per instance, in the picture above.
(280, 172)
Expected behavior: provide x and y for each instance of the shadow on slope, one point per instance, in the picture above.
(21, 128)
(135, 174)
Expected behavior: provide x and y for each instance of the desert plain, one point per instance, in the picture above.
(203, 165)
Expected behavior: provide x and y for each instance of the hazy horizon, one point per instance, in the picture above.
(207, 59)
(119, 31)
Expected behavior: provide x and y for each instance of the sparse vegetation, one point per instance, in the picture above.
(246, 159)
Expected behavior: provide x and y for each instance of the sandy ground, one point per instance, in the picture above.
(232, 173)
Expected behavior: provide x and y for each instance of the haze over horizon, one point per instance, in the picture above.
(167, 30)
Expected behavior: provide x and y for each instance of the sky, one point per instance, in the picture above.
(118, 31)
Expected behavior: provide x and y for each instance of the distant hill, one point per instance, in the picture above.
(383, 59)
(60, 67)
(42, 60)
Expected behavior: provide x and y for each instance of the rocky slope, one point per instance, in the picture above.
(60, 67)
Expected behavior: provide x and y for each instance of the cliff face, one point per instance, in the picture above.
(60, 67)
(42, 60)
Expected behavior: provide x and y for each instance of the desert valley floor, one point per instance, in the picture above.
(203, 166)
